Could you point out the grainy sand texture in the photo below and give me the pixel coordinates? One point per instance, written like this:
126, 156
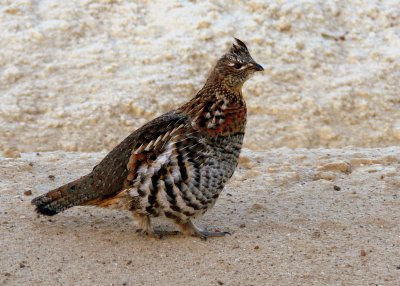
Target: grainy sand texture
297, 217
315, 199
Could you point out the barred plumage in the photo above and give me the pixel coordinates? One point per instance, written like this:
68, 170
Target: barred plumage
177, 164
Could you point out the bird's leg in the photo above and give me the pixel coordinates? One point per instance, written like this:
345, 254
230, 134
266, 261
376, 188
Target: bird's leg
146, 228
144, 223
188, 228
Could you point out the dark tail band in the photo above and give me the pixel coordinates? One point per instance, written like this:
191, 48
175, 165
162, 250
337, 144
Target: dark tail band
62, 198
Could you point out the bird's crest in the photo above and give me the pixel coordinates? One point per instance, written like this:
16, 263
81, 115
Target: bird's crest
239, 51
239, 47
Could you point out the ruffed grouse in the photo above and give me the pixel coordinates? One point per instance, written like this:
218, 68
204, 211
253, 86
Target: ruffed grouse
175, 165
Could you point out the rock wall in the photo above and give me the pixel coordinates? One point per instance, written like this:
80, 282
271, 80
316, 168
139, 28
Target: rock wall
82, 75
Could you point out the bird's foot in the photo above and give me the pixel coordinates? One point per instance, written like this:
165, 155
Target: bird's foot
189, 228
158, 233
204, 234
145, 227
148, 233
161, 233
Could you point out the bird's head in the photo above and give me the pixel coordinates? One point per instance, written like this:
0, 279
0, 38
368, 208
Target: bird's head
236, 66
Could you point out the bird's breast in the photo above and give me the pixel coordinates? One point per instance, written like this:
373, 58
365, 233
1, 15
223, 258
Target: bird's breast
220, 119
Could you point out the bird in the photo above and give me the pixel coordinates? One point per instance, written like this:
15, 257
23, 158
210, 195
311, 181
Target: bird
176, 165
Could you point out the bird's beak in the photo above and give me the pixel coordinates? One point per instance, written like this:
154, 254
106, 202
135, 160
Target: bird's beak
258, 67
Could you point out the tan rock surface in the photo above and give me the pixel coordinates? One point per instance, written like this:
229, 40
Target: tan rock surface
82, 75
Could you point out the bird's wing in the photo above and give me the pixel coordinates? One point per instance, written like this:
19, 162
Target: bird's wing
118, 168
153, 154
168, 166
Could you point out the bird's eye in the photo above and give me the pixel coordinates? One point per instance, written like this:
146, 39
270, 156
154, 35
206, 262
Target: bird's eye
238, 65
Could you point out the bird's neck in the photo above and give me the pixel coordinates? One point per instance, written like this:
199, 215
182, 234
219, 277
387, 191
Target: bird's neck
217, 110
220, 81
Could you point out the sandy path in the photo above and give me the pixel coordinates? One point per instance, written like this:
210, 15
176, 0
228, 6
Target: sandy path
290, 226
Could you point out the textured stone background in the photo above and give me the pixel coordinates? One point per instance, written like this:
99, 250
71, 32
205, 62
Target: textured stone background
82, 75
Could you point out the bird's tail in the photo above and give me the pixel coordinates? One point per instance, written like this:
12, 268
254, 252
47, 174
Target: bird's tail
69, 195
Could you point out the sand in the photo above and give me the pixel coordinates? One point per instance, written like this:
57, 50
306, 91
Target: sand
297, 217
304, 208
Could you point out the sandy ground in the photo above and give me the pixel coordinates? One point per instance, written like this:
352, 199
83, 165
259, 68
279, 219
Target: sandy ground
81, 75
297, 217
